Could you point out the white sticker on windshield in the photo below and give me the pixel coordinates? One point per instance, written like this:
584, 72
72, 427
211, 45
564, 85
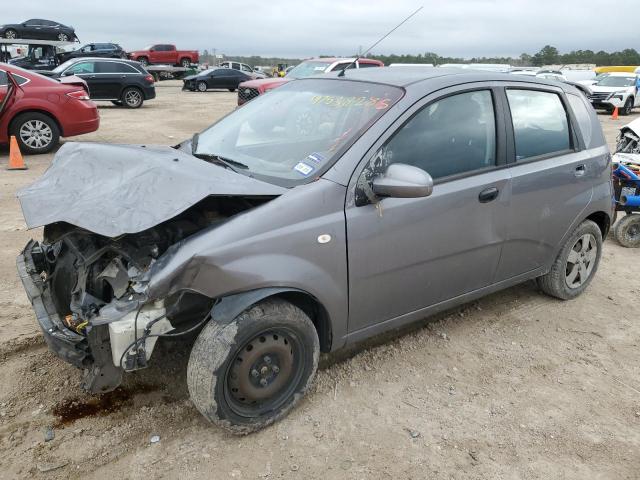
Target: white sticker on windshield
303, 168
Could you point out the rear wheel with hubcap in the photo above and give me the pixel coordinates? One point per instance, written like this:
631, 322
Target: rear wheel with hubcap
245, 375
144, 61
576, 264
202, 86
132, 97
35, 132
627, 230
185, 62
63, 37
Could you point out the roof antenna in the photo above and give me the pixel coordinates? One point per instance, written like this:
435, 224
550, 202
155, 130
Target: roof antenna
341, 74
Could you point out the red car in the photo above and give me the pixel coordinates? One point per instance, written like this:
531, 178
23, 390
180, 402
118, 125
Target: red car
315, 66
165, 53
38, 110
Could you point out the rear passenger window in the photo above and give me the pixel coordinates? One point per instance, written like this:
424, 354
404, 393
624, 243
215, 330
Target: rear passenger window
114, 67
4, 81
582, 115
539, 122
451, 136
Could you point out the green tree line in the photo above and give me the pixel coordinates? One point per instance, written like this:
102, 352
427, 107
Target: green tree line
548, 55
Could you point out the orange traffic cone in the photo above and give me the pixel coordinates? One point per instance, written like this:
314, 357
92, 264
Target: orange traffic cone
615, 114
16, 162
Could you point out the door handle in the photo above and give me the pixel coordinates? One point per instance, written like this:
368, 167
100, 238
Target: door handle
580, 170
488, 194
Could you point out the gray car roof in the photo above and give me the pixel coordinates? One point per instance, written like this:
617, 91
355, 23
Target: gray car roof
407, 76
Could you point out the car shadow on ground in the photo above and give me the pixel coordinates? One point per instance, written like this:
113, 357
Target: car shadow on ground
168, 366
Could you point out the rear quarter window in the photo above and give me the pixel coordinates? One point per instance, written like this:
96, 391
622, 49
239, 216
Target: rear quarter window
540, 123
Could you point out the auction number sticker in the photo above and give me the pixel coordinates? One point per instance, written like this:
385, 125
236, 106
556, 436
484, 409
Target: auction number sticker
343, 102
304, 168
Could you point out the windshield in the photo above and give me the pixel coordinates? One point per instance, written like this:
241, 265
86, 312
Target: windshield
615, 81
306, 69
295, 132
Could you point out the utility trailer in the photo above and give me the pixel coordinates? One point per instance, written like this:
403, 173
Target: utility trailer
47, 50
169, 72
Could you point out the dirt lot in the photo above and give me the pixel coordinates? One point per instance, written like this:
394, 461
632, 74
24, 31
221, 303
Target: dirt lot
515, 386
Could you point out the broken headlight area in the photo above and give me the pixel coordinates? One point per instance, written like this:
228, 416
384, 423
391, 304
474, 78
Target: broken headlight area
95, 310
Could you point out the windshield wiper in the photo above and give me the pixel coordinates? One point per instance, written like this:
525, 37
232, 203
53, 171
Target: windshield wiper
225, 162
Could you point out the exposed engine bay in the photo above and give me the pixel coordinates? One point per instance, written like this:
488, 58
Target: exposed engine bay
97, 286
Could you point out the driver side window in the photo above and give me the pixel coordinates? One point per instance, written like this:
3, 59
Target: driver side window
79, 68
453, 135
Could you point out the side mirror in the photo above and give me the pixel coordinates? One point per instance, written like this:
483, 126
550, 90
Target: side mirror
68, 73
403, 181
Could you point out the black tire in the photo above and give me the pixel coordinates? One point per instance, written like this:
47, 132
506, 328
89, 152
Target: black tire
556, 283
10, 33
28, 122
117, 103
132, 97
201, 86
185, 62
232, 394
232, 89
628, 106
63, 37
144, 61
627, 230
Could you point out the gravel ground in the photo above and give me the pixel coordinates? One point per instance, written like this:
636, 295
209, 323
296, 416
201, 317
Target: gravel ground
514, 386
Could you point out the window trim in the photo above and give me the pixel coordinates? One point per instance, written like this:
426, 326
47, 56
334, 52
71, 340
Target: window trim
576, 143
500, 129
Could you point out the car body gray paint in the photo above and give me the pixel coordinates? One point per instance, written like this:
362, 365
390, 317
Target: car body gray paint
275, 245
116, 189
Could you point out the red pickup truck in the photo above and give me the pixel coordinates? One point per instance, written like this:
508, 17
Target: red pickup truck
164, 53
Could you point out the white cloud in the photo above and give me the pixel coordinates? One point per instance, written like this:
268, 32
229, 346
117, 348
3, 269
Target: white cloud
306, 28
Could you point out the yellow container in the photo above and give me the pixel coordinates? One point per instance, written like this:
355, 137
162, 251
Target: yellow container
616, 68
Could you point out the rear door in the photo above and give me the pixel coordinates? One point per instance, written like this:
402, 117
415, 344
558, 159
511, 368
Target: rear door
111, 78
551, 177
34, 29
406, 254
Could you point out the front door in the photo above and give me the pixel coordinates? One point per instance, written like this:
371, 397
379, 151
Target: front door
406, 254
86, 70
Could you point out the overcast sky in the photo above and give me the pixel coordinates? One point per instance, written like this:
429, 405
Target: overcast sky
304, 28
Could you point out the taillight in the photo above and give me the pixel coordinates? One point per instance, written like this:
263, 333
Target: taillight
79, 95
149, 78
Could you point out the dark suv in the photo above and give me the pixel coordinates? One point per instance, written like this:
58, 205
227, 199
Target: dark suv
124, 82
325, 212
102, 50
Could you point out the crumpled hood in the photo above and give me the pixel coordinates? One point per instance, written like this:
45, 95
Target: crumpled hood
116, 189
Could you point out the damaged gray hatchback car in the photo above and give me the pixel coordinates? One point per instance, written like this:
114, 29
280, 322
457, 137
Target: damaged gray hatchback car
325, 212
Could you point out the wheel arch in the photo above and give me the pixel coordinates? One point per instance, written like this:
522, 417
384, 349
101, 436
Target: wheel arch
34, 110
230, 306
603, 220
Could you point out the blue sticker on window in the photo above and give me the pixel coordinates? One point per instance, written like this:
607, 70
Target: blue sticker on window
304, 168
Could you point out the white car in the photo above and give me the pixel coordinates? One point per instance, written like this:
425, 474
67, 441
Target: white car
617, 89
243, 67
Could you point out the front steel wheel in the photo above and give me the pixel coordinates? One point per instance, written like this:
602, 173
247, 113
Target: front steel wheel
245, 375
576, 264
